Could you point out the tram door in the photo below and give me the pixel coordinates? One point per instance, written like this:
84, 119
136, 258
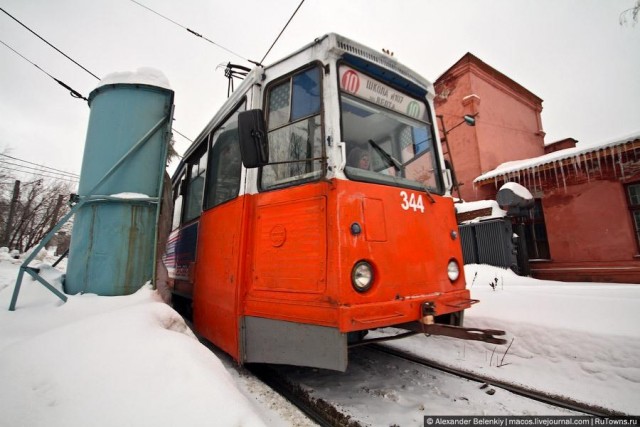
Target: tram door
217, 273
291, 208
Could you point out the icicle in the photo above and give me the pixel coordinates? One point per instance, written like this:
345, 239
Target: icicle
495, 181
532, 183
564, 182
539, 177
613, 162
555, 169
533, 180
620, 161
575, 166
586, 168
599, 165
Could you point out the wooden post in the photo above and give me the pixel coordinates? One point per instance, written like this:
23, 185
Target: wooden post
12, 209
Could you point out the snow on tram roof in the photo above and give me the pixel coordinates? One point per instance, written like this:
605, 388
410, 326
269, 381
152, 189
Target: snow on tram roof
519, 165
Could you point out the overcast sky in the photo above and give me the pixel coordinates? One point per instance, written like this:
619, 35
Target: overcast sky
573, 54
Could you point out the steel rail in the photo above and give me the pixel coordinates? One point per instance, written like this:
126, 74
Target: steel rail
549, 398
319, 410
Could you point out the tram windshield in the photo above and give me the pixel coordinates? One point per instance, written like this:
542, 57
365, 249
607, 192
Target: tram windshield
388, 137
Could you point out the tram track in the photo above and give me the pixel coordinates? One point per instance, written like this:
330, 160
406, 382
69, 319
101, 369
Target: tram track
326, 410
548, 398
320, 411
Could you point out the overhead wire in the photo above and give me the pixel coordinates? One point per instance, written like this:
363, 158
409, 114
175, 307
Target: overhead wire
44, 175
41, 38
74, 93
195, 33
181, 134
284, 28
53, 170
77, 94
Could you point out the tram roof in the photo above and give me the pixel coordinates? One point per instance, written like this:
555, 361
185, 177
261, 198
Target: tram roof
340, 46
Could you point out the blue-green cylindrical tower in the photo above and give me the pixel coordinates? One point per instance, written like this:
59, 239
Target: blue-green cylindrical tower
113, 239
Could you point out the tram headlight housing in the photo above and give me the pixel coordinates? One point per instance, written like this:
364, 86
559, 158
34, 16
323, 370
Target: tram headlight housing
362, 276
453, 270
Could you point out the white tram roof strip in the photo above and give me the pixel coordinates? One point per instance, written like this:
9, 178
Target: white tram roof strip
557, 156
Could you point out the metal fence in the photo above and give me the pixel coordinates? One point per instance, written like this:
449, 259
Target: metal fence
494, 242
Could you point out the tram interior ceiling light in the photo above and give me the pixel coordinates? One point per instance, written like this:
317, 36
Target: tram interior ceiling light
362, 276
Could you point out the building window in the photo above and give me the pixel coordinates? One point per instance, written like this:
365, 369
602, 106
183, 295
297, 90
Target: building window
633, 193
536, 233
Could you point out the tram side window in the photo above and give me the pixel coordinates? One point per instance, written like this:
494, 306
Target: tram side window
177, 206
195, 186
225, 164
295, 132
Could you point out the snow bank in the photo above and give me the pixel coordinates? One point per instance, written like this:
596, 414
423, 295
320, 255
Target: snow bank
105, 361
574, 339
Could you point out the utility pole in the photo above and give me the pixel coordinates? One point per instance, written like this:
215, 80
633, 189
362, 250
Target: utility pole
12, 209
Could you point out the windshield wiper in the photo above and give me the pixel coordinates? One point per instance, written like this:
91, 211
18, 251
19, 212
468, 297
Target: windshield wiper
396, 164
429, 196
388, 157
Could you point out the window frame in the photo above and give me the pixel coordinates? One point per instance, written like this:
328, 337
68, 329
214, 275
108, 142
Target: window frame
210, 143
430, 125
178, 200
200, 153
321, 114
530, 223
633, 208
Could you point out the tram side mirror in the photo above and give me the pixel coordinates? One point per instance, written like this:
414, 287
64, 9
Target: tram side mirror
254, 147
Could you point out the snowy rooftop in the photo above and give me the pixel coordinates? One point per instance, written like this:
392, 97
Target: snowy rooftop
558, 156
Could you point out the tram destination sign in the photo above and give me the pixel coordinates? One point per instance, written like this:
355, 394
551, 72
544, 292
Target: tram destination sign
363, 86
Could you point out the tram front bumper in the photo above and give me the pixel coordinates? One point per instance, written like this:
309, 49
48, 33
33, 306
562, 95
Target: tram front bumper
373, 315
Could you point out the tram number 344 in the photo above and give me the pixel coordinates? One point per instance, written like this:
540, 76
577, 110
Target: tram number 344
411, 201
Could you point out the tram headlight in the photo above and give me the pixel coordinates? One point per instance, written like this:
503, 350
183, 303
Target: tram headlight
362, 276
453, 270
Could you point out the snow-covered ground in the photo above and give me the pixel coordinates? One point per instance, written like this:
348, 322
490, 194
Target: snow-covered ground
113, 361
105, 361
580, 340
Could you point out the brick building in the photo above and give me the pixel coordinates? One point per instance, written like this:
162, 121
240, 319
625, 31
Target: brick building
585, 225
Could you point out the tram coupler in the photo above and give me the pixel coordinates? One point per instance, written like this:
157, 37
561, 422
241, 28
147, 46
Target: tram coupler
472, 334
427, 325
